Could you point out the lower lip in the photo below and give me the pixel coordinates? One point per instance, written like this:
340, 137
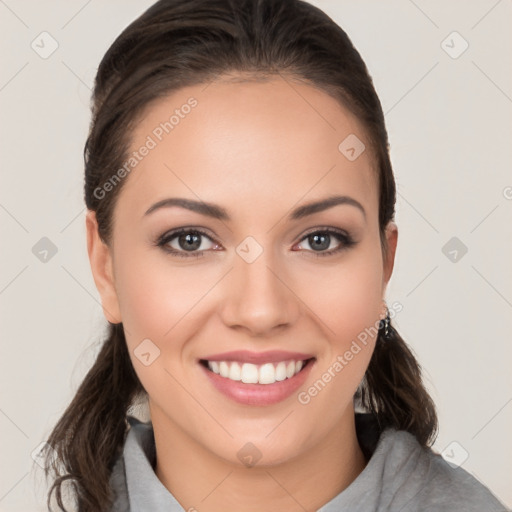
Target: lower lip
258, 394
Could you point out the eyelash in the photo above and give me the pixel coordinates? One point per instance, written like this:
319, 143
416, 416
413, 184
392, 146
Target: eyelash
346, 241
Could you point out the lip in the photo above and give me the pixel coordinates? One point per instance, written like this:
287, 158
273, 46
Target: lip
270, 356
258, 394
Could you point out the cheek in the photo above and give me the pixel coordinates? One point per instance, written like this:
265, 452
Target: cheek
348, 300
347, 297
158, 302
350, 308
156, 298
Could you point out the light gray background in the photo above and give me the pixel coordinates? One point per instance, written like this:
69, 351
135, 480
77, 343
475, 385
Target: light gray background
450, 133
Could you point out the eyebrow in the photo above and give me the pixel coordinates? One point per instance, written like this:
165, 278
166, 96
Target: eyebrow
220, 213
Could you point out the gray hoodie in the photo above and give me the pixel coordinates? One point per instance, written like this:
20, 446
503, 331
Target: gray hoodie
400, 476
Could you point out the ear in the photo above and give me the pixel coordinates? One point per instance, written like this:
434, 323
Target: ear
389, 256
100, 259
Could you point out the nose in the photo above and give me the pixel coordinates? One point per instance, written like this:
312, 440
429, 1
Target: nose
258, 297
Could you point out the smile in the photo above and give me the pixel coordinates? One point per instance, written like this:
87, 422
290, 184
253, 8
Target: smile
249, 373
257, 384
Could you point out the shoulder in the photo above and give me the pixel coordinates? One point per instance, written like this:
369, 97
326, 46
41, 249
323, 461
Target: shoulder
118, 486
423, 480
118, 478
139, 434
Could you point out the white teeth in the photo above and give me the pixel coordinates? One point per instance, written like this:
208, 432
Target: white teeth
223, 369
290, 369
281, 372
249, 373
267, 374
235, 372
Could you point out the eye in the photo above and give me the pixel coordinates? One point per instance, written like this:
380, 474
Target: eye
185, 242
321, 239
189, 242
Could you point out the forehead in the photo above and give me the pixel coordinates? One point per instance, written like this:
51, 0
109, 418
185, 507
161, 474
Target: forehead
248, 144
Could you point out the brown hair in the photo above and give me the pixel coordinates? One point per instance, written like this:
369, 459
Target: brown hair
176, 43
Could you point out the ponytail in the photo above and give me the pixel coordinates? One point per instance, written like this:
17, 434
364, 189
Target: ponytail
393, 391
90, 435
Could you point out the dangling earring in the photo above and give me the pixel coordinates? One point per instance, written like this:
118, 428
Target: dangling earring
384, 324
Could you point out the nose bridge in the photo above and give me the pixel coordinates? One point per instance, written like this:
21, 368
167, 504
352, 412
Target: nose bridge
257, 297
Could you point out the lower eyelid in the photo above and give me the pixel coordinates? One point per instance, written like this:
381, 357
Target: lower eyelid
344, 239
165, 240
344, 243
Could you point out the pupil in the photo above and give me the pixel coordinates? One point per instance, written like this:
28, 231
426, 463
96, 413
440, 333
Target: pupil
191, 241
318, 244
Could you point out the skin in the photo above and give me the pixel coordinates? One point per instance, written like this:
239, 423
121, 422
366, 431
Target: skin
258, 149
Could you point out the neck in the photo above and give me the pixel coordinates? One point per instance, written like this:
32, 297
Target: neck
200, 480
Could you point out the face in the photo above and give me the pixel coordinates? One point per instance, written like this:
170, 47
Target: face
258, 277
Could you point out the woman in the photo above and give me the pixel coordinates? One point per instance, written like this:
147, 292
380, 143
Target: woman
241, 235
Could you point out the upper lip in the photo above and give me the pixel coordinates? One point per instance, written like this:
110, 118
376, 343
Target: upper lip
271, 356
